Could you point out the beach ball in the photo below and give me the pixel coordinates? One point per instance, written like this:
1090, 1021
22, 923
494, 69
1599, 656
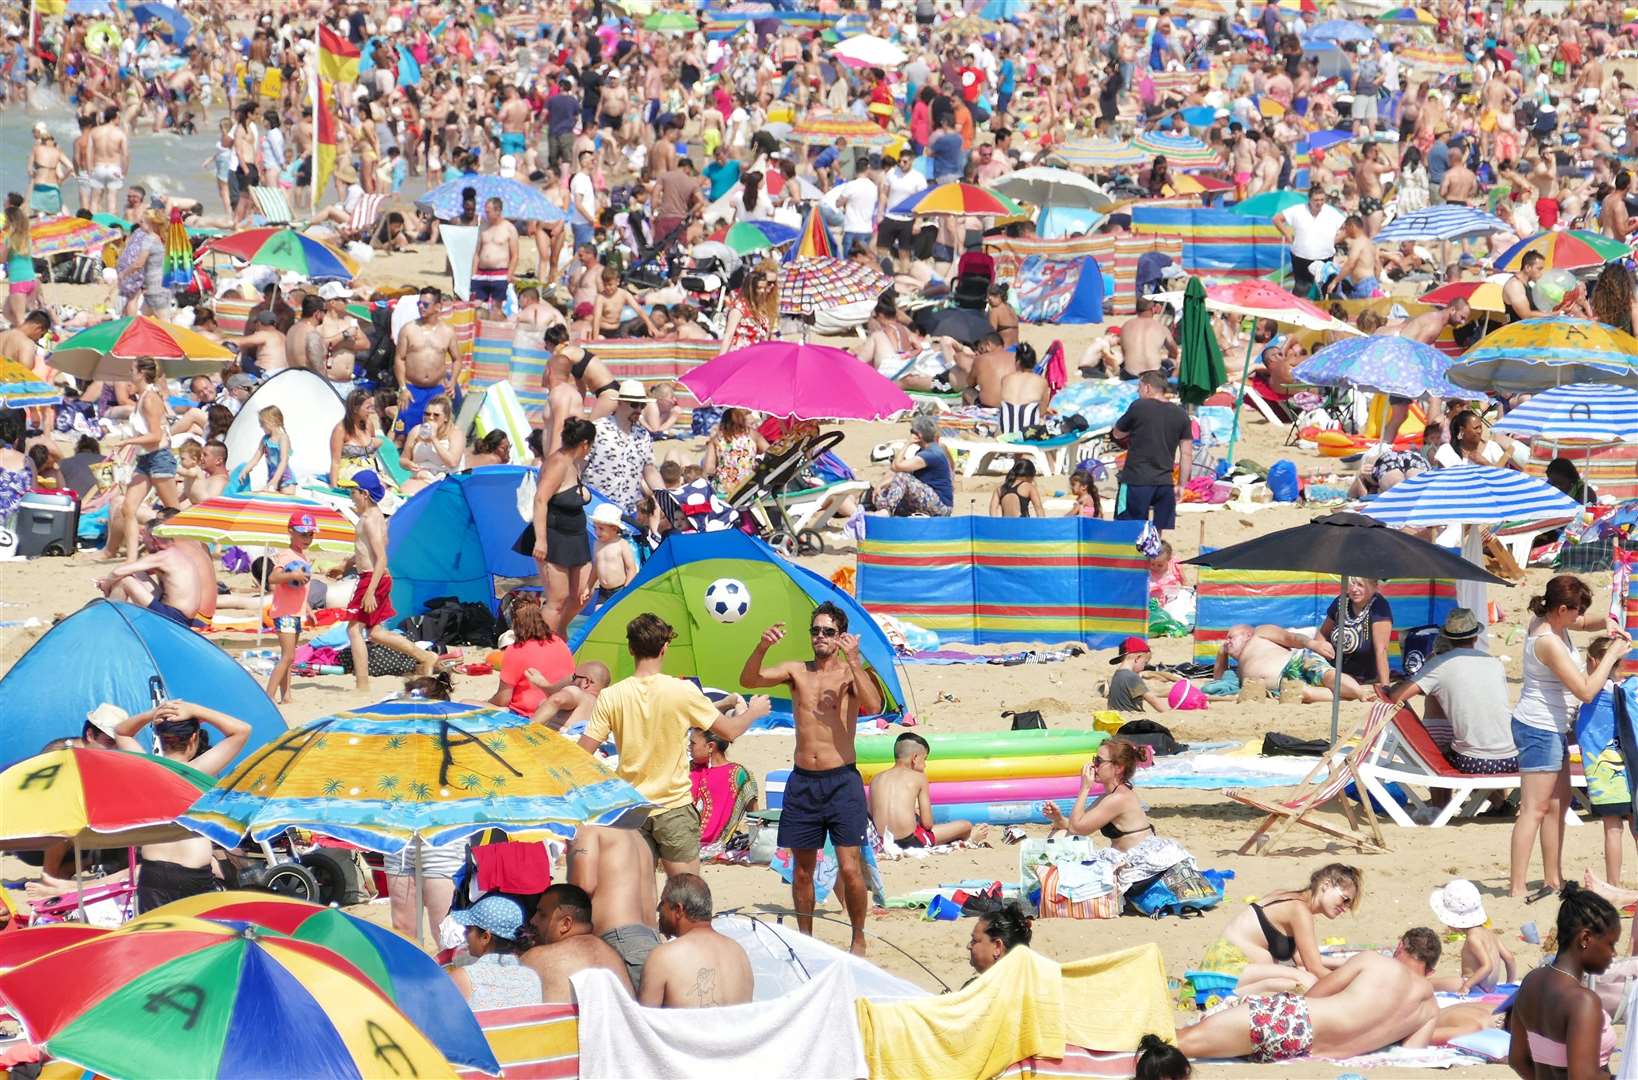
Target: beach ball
1552, 285
727, 600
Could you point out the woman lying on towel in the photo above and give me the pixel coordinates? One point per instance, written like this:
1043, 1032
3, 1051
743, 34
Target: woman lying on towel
723, 791
1273, 945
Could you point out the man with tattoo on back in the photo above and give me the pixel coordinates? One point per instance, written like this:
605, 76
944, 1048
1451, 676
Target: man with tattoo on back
698, 968
615, 867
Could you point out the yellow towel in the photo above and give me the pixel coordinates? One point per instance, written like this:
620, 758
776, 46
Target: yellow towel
1112, 1001
1013, 1011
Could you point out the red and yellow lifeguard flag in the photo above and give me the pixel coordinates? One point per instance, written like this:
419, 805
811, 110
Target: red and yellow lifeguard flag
324, 139
338, 57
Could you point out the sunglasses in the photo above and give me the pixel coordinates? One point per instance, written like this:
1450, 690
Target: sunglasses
823, 631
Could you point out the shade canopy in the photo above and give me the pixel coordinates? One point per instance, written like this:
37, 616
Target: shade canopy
1346, 543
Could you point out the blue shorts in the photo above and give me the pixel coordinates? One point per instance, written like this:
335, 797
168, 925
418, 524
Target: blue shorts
1540, 750
414, 409
287, 624
157, 464
583, 234
821, 802
1142, 498
513, 142
487, 289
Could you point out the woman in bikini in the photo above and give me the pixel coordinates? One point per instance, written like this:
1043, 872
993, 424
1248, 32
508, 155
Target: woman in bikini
1118, 814
354, 441
1273, 945
1558, 1026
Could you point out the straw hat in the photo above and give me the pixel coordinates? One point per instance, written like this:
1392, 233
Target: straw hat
1458, 905
106, 718
631, 390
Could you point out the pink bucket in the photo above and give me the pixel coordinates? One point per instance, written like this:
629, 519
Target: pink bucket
1185, 695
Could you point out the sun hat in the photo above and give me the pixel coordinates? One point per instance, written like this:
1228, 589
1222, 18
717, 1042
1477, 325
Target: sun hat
631, 390
368, 482
607, 514
1458, 905
106, 717
499, 915
1131, 645
302, 521
334, 290
1461, 623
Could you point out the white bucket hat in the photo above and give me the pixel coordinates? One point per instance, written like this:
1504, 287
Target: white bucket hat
1458, 905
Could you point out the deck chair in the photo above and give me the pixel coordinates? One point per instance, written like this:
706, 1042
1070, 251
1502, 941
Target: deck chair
1407, 757
1323, 784
272, 205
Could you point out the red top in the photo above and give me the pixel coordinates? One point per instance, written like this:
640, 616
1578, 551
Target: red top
551, 658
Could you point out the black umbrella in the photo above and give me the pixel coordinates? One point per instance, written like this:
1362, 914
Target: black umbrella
1346, 544
965, 325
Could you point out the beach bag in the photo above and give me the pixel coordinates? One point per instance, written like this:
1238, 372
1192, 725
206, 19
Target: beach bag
1153, 734
382, 661
1035, 854
1278, 744
1282, 481
1182, 890
440, 626
1054, 905
1028, 720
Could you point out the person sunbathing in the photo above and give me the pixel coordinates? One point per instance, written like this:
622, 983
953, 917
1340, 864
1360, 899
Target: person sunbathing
1273, 945
562, 923
901, 803
1367, 1004
1271, 654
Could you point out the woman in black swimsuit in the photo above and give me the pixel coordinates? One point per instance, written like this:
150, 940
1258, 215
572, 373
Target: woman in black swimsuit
1017, 496
1273, 945
557, 538
1117, 814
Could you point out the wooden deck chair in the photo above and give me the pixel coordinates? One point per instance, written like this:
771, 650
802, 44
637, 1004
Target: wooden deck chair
272, 205
1323, 784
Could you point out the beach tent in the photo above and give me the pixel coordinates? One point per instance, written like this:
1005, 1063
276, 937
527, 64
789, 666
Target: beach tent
311, 409
672, 585
127, 656
1049, 290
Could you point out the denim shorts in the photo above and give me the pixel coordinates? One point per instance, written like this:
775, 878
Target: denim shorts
158, 464
1540, 750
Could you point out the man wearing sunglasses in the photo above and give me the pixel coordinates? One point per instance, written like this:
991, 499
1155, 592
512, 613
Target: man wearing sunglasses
825, 795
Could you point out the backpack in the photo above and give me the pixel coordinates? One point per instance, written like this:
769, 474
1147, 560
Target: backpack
1153, 734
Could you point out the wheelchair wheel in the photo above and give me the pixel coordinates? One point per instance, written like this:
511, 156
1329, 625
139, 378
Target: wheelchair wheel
784, 543
288, 879
809, 542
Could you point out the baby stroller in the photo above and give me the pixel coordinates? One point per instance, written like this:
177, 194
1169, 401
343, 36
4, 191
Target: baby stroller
764, 501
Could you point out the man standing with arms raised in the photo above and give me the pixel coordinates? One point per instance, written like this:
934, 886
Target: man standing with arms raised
825, 795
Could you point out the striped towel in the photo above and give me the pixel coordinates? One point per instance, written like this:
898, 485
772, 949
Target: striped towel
501, 411
232, 313
653, 361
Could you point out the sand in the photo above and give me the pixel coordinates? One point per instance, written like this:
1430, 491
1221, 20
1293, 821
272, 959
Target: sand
971, 699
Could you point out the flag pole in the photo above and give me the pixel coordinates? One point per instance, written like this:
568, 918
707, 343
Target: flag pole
318, 103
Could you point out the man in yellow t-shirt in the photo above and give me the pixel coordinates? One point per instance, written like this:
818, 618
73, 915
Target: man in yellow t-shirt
650, 714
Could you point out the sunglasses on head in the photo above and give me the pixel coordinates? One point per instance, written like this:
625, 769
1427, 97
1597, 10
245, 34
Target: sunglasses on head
823, 631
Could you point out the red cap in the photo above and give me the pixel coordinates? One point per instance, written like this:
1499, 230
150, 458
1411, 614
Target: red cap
303, 521
1131, 645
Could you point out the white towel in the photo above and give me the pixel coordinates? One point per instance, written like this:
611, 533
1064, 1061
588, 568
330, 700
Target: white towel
621, 1039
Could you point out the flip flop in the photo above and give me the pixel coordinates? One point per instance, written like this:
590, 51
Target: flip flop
1540, 894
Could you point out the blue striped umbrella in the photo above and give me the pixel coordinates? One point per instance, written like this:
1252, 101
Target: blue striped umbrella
1385, 363
1096, 153
1184, 153
1339, 30
1470, 495
519, 201
1441, 223
1577, 411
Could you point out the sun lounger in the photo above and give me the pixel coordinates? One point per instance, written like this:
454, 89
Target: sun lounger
1051, 456
817, 508
1408, 757
272, 205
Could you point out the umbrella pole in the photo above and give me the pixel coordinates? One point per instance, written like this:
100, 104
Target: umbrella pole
79, 884
420, 899
1250, 326
1336, 653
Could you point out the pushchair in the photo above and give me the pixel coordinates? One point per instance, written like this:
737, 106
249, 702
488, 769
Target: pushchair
765, 499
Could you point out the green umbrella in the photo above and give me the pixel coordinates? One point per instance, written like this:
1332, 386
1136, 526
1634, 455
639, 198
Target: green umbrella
671, 22
1201, 371
1269, 203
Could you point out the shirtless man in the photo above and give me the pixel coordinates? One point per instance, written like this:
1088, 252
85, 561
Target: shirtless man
575, 701
515, 120
1266, 176
612, 109
616, 313
991, 364
1358, 272
262, 351
1025, 396
1613, 220
213, 475
585, 274
1367, 1004
343, 339
562, 922
1518, 291
1428, 326
825, 795
698, 968
108, 158
1368, 175
1272, 653
424, 362
1460, 185
82, 162
496, 257
1145, 345
304, 344
176, 578
534, 313
615, 869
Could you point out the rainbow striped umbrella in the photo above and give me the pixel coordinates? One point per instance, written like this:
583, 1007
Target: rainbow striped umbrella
1573, 249
257, 519
958, 198
1098, 153
178, 255
823, 128
95, 798
750, 237
54, 236
285, 249
814, 242
189, 997
105, 351
1435, 58
20, 388
1534, 354
806, 285
1182, 151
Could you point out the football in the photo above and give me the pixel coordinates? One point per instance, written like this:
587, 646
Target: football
727, 600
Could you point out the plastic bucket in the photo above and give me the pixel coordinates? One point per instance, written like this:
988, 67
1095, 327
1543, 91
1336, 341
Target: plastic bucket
1185, 695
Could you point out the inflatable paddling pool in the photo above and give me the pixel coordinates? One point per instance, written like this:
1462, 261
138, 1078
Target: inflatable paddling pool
879, 748
995, 768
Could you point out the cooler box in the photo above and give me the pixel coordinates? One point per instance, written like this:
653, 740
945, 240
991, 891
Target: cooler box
47, 524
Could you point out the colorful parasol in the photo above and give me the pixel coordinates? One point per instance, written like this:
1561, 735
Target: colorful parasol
814, 242
1269, 203
1261, 300
957, 198
23, 944
1408, 16
1386, 363
54, 236
95, 798
750, 237
105, 351
201, 999
1534, 354
809, 382
20, 388
519, 201
806, 285
1434, 58
824, 128
1470, 495
178, 255
671, 22
1483, 294
1448, 222
410, 978
258, 519
1096, 153
285, 249
1574, 249
1183, 153
382, 775
1184, 184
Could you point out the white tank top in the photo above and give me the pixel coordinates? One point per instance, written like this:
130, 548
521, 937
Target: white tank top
1545, 702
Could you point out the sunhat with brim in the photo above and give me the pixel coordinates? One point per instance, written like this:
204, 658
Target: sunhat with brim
631, 390
1458, 905
1461, 624
499, 915
606, 514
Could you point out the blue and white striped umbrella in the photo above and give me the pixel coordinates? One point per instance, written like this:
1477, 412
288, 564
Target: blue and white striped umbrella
1470, 495
1341, 30
1441, 223
1386, 363
1577, 411
519, 201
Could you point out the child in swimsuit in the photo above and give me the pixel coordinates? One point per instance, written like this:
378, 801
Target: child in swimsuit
275, 446
1484, 957
613, 562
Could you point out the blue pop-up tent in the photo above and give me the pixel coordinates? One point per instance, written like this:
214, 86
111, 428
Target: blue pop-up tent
127, 656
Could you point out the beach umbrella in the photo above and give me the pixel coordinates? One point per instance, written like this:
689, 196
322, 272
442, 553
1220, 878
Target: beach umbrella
1483, 294
1534, 354
808, 382
868, 50
1574, 249
1340, 30
1200, 368
1269, 203
57, 235
957, 198
113, 221
814, 241
101, 36
1054, 189
1577, 411
1470, 495
284, 249
1183, 152
201, 999
960, 323
1351, 545
257, 519
671, 22
1408, 16
808, 284
1441, 223
95, 798
1185, 184
105, 351
1098, 153
1385, 363
178, 254
824, 128
1434, 58
173, 23
519, 201
22, 944
20, 388
1322, 140
409, 977
750, 237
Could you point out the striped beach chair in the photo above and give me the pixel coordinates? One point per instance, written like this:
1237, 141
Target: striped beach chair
272, 205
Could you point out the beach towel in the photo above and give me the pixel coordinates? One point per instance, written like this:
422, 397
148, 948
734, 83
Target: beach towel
531, 1042
811, 1032
460, 243
1134, 978
513, 866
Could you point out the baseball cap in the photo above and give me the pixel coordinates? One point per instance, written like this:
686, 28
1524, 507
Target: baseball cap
1131, 645
304, 522
500, 915
368, 482
241, 381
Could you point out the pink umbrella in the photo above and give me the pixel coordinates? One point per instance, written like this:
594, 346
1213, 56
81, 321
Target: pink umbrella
809, 382
1263, 300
